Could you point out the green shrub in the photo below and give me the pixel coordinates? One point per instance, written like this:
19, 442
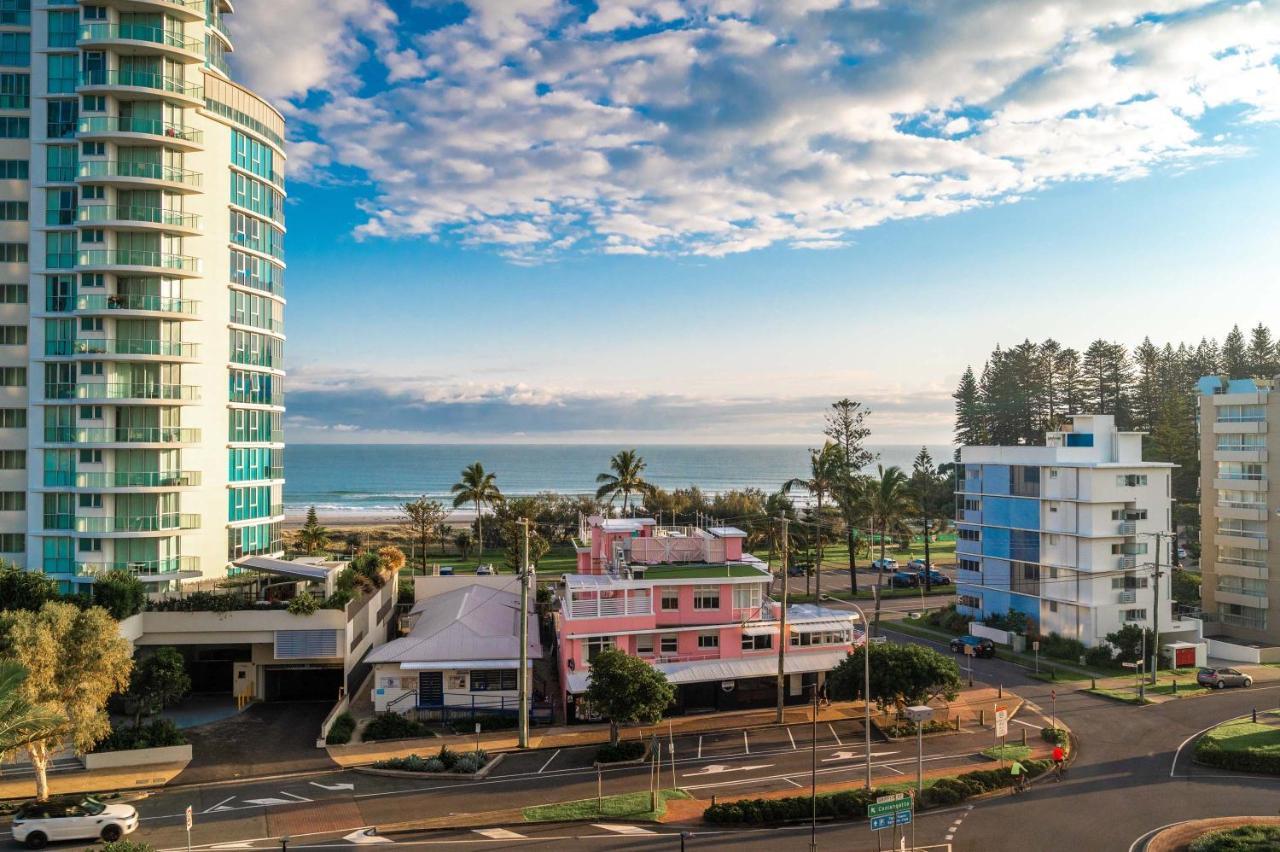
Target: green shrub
447, 756
1062, 647
341, 730
944, 792
468, 762
158, 733
1246, 838
126, 846
1057, 736
303, 604
626, 750
1098, 656
1212, 753
393, 726
907, 728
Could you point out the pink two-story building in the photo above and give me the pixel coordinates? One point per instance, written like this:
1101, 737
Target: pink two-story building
693, 604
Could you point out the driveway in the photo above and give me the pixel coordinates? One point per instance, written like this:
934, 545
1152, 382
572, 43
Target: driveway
266, 739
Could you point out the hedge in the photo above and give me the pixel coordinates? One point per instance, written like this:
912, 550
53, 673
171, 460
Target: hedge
628, 750
1212, 754
852, 804
908, 728
393, 726
158, 733
447, 760
1057, 736
341, 730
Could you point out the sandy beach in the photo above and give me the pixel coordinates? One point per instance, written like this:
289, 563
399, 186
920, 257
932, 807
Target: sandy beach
360, 518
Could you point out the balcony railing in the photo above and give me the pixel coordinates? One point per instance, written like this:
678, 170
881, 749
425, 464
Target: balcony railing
148, 568
121, 390
122, 479
152, 215
138, 523
95, 124
1252, 622
144, 171
142, 80
1128, 528
115, 346
126, 302
614, 606
139, 257
259, 475
121, 435
137, 32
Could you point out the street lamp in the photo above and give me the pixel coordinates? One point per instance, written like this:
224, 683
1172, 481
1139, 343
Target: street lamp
866, 684
920, 714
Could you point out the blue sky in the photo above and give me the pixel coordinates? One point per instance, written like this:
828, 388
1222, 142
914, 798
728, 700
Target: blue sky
669, 220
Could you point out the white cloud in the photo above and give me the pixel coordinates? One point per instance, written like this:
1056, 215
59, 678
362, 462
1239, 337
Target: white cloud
719, 126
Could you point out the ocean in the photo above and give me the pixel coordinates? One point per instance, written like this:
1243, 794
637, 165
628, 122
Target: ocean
373, 479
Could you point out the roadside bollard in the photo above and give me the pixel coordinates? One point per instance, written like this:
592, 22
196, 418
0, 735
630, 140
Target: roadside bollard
982, 718
1255, 715
1000, 690
1175, 687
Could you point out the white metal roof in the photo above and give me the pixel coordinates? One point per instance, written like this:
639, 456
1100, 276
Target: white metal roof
726, 532
733, 669
820, 626
471, 623
770, 629
287, 568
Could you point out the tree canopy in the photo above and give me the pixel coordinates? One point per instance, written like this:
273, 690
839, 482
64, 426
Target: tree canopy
900, 674
627, 690
21, 721
25, 590
313, 538
479, 488
627, 478
158, 680
120, 593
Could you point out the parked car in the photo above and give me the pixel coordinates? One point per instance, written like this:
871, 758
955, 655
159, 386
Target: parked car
1222, 678
904, 580
1182, 553
884, 565
937, 578
446, 570
799, 570
981, 647
485, 571
72, 818
918, 565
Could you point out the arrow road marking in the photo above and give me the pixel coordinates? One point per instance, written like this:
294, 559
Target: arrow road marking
720, 768
268, 801
221, 806
333, 786
366, 835
848, 755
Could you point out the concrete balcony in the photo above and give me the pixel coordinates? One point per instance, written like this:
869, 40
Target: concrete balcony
123, 480
184, 10
141, 40
1240, 484
132, 437
1244, 540
1240, 513
137, 391
131, 130
132, 218
140, 175
128, 305
1258, 455
137, 262
1239, 427
175, 90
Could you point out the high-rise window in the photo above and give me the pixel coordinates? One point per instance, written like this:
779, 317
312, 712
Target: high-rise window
15, 48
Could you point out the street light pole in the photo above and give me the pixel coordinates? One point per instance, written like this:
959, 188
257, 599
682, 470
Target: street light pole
813, 773
866, 685
524, 637
782, 624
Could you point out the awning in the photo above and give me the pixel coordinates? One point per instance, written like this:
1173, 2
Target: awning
760, 630
463, 664
819, 626
733, 669
283, 568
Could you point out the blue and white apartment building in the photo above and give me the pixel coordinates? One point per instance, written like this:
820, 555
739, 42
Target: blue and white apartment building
1064, 532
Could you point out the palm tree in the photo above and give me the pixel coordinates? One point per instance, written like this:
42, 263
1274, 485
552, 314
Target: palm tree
626, 479
21, 722
887, 502
826, 471
313, 538
479, 489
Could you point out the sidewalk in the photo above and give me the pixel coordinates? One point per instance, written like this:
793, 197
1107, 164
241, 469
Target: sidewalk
1125, 687
966, 706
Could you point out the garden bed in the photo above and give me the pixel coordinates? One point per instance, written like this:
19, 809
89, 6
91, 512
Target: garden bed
1243, 745
629, 806
446, 763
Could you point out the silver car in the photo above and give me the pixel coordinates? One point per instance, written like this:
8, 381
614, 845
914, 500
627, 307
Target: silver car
1222, 678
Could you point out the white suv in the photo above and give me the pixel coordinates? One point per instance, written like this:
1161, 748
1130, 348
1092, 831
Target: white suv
82, 818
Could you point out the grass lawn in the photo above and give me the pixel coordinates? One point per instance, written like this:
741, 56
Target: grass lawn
1164, 685
1008, 752
560, 560
624, 806
836, 555
1246, 838
1244, 735
864, 594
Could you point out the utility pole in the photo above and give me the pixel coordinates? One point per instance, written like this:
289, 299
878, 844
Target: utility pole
782, 625
524, 634
1155, 615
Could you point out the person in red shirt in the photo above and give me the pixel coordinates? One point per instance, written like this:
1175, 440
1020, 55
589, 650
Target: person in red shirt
1059, 759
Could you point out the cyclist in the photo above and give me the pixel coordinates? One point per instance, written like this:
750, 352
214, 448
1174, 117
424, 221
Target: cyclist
1019, 773
1059, 761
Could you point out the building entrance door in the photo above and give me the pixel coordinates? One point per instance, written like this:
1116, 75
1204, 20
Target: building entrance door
430, 689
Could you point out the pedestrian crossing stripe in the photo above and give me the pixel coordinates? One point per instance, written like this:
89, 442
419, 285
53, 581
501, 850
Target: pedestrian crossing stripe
499, 834
623, 829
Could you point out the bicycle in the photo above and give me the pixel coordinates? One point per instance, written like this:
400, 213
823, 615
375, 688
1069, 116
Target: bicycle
1059, 772
1020, 784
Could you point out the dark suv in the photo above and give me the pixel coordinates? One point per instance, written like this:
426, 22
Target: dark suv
981, 647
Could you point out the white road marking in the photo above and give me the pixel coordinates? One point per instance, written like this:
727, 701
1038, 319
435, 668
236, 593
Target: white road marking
333, 786
793, 741
363, 836
746, 744
834, 734
1028, 724
720, 769
548, 763
623, 829
848, 755
499, 834
221, 806
792, 783
891, 769
699, 746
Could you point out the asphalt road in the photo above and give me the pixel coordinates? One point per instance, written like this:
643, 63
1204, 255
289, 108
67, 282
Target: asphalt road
1124, 783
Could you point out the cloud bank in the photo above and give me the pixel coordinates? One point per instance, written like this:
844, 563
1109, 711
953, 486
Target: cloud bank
707, 127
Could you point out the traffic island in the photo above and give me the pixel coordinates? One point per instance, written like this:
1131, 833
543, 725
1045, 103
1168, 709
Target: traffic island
1247, 744
1215, 835
633, 807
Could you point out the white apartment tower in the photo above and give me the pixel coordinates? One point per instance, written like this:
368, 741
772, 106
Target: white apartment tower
1065, 533
141, 293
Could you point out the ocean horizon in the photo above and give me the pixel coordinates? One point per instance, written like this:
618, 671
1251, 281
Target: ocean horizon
375, 479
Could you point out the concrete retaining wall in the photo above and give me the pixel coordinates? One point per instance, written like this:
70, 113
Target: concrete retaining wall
137, 757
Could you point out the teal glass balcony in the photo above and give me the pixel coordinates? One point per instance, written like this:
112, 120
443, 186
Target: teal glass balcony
98, 213
122, 390
139, 257
106, 169
126, 346
138, 523
99, 302
122, 479
148, 568
121, 435
137, 32
105, 125
258, 475
141, 80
